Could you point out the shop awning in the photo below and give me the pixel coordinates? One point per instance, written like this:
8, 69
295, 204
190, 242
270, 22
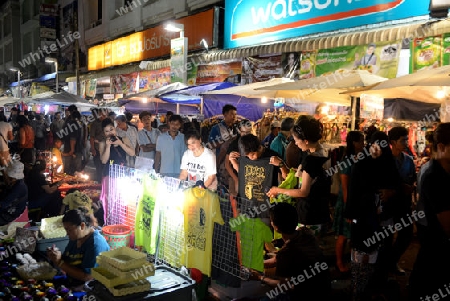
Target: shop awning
403, 29
416, 28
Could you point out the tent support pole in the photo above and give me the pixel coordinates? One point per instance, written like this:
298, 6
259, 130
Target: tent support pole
178, 108
201, 105
353, 125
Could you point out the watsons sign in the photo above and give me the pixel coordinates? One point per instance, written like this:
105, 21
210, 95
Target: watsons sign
250, 22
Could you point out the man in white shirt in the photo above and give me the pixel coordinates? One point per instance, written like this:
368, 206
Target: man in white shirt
5, 135
124, 130
147, 136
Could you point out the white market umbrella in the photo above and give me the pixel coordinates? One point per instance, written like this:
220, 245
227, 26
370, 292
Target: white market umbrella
431, 85
63, 98
6, 100
345, 79
266, 89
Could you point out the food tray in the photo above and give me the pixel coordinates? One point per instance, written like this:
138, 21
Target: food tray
147, 269
53, 227
107, 278
130, 288
124, 258
46, 271
166, 284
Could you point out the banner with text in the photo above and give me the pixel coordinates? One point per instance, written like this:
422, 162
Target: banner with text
380, 58
426, 52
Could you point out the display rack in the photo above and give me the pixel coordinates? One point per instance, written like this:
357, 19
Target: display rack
123, 196
125, 190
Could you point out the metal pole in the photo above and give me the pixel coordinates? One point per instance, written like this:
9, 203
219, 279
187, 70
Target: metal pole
353, 113
178, 108
77, 53
201, 105
57, 77
18, 84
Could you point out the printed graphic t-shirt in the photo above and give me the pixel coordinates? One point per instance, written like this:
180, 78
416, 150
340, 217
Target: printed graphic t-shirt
201, 167
201, 210
147, 216
254, 233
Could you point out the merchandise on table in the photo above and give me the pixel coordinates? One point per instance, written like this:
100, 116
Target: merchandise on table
119, 272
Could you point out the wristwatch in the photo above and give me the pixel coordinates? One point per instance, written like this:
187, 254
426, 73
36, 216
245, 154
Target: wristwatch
281, 164
262, 279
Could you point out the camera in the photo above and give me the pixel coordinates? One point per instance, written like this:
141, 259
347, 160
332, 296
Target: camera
113, 138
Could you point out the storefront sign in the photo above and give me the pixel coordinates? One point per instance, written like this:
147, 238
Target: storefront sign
153, 42
219, 72
380, 58
250, 22
49, 9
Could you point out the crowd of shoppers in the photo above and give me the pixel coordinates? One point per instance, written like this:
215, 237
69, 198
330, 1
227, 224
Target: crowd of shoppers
377, 185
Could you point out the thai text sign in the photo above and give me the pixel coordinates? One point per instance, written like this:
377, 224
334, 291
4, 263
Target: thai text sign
151, 43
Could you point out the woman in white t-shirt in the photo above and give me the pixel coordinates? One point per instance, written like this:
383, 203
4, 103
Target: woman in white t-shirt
198, 162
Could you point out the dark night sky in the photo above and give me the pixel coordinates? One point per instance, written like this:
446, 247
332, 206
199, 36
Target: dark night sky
3, 2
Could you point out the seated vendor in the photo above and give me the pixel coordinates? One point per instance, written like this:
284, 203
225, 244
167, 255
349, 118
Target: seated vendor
43, 195
301, 272
85, 244
13, 199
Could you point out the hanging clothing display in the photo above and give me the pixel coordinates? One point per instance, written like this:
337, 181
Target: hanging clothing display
147, 216
201, 210
254, 233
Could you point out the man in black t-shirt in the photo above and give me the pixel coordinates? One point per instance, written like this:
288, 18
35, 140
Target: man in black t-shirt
255, 174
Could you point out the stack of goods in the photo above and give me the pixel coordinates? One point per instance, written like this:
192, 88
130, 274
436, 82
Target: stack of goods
52, 227
30, 269
22, 278
123, 271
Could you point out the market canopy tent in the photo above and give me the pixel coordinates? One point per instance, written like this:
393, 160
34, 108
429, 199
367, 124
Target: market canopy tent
155, 92
430, 85
159, 106
405, 109
291, 97
193, 94
63, 98
6, 100
251, 108
345, 79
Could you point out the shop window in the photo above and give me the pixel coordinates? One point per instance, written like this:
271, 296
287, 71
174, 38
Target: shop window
36, 8
8, 52
95, 13
7, 25
27, 11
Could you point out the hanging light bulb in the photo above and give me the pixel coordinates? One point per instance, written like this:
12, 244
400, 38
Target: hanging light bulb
440, 94
263, 99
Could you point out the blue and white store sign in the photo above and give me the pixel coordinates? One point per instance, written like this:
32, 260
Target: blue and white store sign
250, 22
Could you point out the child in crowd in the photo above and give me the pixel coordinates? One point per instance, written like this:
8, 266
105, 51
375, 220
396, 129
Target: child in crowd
56, 151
